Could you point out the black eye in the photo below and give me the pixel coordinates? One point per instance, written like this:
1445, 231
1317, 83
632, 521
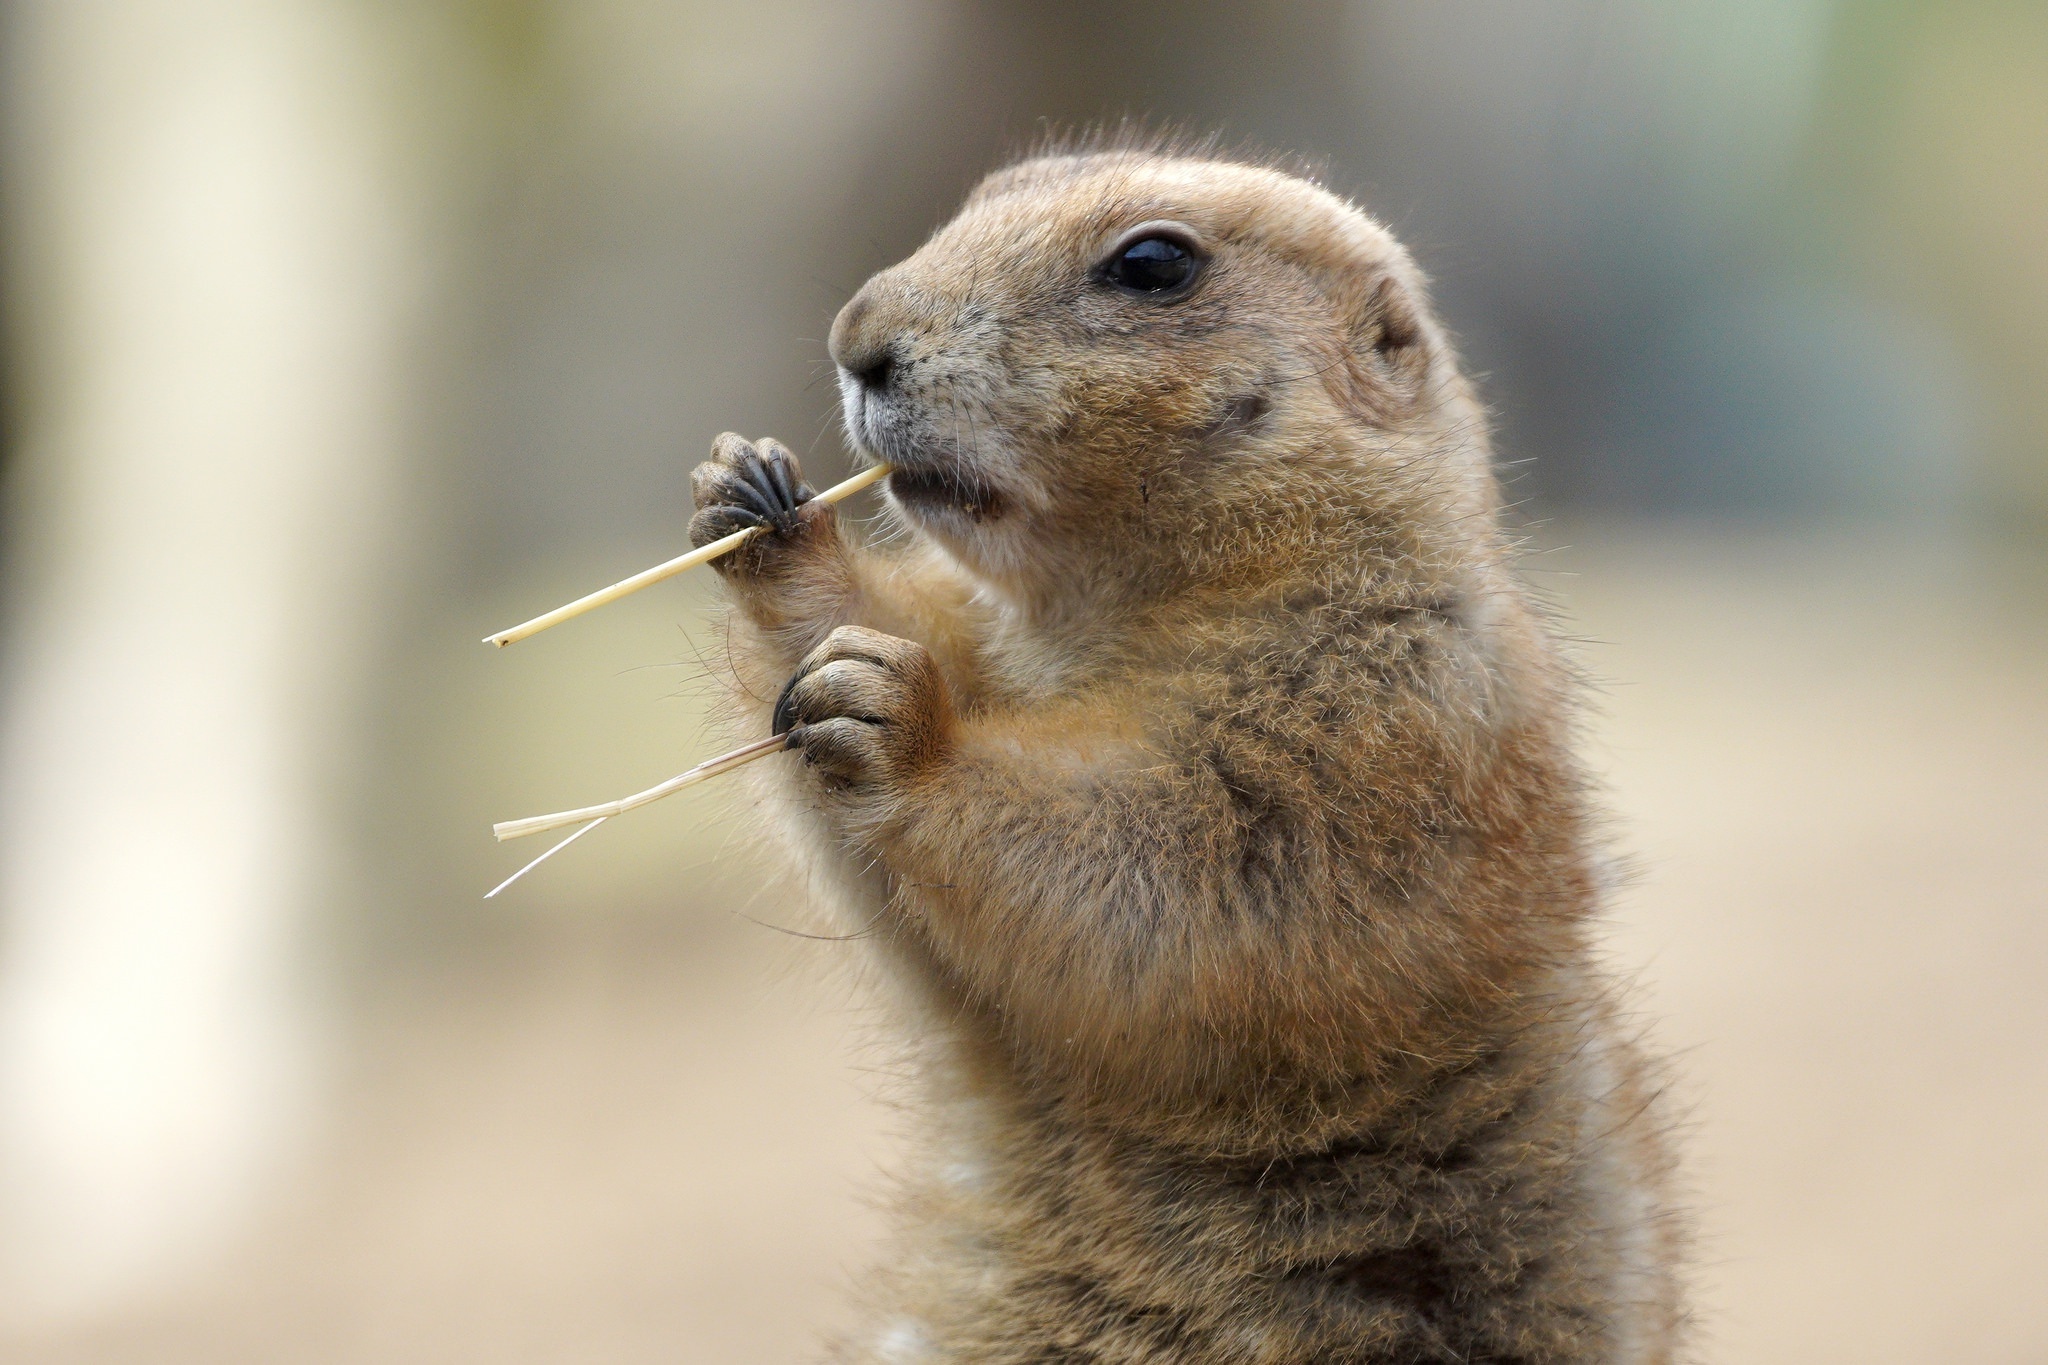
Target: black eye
1152, 265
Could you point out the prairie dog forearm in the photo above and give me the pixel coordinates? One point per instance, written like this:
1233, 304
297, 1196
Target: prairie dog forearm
781, 620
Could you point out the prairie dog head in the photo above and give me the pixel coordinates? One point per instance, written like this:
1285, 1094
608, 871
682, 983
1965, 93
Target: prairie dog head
1116, 371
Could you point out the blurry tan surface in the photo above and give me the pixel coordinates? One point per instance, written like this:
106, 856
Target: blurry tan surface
636, 1143
648, 1137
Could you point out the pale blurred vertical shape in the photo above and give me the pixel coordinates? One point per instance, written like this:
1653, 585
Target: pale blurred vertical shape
208, 316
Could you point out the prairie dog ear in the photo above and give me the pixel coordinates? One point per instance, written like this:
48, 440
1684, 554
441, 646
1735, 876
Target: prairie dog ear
1387, 349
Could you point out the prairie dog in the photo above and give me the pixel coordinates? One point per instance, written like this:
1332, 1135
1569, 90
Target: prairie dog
1204, 773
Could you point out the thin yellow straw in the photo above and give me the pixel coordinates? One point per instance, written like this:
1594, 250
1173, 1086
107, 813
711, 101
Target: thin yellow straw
710, 767
703, 554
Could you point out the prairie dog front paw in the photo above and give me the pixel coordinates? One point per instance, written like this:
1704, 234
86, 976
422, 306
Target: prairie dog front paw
794, 578
867, 711
757, 484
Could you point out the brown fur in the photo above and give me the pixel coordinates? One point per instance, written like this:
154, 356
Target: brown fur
1204, 770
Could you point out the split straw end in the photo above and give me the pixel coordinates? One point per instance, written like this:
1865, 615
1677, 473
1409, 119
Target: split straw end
590, 817
710, 767
493, 892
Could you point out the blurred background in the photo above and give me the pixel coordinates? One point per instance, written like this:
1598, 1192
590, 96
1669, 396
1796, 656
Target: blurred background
340, 333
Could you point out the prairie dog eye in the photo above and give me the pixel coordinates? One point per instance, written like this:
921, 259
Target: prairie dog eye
1152, 259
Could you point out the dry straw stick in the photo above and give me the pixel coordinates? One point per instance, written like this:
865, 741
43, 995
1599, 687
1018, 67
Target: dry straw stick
597, 815
703, 554
710, 767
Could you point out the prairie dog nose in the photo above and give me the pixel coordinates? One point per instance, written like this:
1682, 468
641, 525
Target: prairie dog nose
860, 344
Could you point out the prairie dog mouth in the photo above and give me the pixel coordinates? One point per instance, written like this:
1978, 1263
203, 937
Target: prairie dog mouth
930, 478
922, 489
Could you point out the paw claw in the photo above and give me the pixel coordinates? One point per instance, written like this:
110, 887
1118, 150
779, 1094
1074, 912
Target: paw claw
785, 709
749, 483
780, 467
865, 708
